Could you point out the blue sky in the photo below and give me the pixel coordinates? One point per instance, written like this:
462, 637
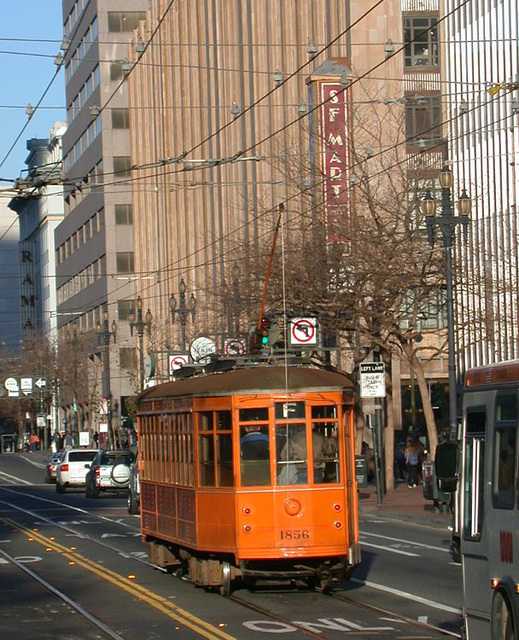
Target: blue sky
30, 36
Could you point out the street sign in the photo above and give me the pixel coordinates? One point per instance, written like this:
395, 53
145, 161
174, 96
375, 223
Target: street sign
372, 380
11, 384
234, 347
26, 384
41, 420
41, 383
201, 349
303, 331
176, 361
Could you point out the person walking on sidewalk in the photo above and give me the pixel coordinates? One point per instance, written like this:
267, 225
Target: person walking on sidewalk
412, 461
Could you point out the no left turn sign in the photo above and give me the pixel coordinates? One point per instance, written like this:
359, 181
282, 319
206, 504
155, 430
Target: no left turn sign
176, 362
303, 331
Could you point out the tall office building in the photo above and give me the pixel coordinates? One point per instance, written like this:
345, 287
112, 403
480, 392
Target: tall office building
94, 243
40, 210
482, 80
10, 313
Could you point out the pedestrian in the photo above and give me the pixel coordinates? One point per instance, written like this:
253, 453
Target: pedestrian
412, 460
32, 442
68, 441
95, 438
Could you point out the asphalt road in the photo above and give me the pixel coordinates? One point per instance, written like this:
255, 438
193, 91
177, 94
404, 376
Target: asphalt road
91, 552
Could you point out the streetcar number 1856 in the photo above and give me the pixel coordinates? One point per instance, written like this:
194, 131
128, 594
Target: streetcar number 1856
294, 534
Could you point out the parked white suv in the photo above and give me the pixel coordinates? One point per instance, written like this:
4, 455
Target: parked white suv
73, 468
109, 471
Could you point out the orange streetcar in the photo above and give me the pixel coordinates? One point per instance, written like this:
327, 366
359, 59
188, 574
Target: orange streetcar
250, 474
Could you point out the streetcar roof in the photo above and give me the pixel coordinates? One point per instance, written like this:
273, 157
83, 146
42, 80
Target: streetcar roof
252, 380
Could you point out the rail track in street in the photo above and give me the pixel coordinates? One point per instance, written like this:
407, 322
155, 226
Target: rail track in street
342, 614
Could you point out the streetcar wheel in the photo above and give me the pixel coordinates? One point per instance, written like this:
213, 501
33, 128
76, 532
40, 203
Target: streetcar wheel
60, 488
225, 589
502, 618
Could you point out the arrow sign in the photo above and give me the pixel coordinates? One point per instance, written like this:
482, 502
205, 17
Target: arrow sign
41, 383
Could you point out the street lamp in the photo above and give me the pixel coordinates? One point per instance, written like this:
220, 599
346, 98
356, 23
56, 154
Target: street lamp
447, 223
104, 333
140, 325
182, 311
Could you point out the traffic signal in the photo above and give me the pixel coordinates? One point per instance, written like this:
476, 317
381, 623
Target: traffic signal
264, 332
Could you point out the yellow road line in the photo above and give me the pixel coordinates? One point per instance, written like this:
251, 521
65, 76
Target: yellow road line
158, 602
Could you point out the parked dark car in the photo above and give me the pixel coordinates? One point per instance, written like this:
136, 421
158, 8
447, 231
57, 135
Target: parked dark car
109, 471
52, 465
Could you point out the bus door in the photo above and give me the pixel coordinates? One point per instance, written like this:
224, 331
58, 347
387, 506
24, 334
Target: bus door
474, 548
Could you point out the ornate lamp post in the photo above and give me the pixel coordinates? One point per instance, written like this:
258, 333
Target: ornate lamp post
140, 325
104, 333
447, 222
183, 310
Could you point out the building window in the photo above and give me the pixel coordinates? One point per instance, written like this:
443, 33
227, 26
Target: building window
122, 166
423, 118
421, 42
124, 260
121, 118
128, 358
116, 71
124, 21
124, 307
123, 214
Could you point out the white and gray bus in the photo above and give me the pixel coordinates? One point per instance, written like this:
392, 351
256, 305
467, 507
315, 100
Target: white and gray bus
486, 477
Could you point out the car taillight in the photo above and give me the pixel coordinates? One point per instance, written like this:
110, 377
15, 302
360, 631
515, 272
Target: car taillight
64, 467
52, 467
97, 472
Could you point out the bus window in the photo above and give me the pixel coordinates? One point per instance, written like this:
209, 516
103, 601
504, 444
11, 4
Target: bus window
503, 474
503, 484
473, 482
254, 455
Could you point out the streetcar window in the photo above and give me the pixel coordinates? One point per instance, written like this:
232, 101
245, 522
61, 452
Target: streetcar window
254, 415
206, 466
292, 455
327, 411
288, 410
325, 452
224, 469
205, 421
224, 421
254, 456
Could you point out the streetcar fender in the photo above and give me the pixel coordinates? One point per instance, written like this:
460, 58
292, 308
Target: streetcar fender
354, 555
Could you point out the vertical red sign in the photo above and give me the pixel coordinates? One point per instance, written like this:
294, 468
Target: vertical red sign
335, 157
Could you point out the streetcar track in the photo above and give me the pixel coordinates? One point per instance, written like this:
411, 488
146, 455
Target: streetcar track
254, 607
397, 616
100, 626
78, 534
173, 611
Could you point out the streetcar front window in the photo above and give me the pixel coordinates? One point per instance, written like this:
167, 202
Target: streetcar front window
255, 455
292, 454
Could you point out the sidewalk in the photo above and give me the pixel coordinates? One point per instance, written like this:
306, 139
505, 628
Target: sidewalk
402, 504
